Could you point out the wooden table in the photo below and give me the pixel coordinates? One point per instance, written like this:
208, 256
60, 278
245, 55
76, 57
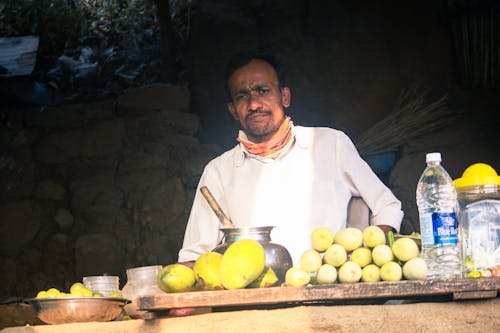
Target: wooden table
311, 309
430, 317
454, 289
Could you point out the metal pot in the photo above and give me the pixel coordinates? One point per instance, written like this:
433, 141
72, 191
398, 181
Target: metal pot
277, 256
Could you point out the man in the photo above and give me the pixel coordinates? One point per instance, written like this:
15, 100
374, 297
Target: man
290, 177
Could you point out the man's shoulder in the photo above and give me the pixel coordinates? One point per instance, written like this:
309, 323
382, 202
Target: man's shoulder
306, 132
229, 156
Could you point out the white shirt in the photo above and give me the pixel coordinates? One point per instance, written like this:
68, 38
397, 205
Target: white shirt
307, 187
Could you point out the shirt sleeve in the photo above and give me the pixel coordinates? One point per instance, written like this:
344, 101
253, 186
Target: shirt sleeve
202, 230
363, 182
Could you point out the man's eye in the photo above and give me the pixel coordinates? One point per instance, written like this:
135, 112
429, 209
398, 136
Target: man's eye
263, 91
240, 97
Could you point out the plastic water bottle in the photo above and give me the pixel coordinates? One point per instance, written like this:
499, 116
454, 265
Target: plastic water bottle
437, 207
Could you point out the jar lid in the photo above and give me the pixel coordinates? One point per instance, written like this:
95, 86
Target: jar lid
478, 174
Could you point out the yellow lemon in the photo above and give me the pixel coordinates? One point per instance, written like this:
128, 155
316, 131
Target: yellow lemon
349, 272
75, 287
391, 271
79, 292
53, 292
335, 255
405, 249
349, 238
370, 273
116, 294
176, 278
310, 261
327, 274
297, 277
266, 279
373, 236
362, 256
321, 239
87, 292
382, 254
415, 269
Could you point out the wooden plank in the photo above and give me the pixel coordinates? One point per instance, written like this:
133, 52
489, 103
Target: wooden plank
275, 295
474, 294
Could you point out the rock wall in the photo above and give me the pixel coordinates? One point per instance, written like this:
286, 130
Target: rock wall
96, 188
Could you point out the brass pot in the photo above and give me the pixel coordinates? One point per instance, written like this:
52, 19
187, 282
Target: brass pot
277, 256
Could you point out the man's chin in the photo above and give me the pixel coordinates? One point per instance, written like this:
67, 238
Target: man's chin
260, 130
258, 136
257, 129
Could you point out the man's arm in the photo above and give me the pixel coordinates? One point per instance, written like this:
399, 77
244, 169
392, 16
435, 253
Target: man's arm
189, 264
202, 230
386, 229
384, 206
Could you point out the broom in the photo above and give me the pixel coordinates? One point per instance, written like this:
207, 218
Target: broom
413, 116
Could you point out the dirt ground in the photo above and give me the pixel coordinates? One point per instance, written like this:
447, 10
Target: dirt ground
457, 316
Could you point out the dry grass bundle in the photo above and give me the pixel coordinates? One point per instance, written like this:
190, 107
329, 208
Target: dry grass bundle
414, 115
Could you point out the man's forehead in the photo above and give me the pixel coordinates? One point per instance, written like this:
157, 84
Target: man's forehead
255, 73
256, 69
254, 86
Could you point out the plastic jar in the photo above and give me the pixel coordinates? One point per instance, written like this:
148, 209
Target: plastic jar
141, 281
478, 192
104, 284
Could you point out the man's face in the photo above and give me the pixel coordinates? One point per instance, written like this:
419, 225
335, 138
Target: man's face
257, 101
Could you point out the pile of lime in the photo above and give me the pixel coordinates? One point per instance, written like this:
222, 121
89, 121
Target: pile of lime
352, 255
77, 289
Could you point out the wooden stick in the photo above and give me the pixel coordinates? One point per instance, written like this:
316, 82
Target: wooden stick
226, 223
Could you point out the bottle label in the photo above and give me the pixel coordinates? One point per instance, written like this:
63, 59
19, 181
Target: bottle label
444, 227
426, 229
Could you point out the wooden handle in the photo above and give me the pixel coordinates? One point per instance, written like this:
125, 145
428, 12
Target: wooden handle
226, 223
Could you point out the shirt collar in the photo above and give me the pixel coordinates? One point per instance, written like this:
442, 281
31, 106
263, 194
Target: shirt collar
302, 140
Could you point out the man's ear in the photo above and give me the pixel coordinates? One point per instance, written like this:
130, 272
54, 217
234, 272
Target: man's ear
285, 96
232, 110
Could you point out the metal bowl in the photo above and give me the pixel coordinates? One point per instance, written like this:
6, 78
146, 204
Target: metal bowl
77, 309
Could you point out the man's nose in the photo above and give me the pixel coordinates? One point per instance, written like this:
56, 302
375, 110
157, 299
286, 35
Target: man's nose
254, 101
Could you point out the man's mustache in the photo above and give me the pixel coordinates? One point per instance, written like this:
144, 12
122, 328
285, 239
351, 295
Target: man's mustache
253, 112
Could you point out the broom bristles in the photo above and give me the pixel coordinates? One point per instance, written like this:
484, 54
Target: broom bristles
413, 116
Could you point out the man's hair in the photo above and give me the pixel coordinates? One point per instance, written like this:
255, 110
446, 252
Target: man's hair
243, 58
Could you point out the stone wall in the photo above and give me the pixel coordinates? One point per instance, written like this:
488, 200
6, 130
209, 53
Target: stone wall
96, 188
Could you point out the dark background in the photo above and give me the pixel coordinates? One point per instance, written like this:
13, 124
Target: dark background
125, 179
346, 62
